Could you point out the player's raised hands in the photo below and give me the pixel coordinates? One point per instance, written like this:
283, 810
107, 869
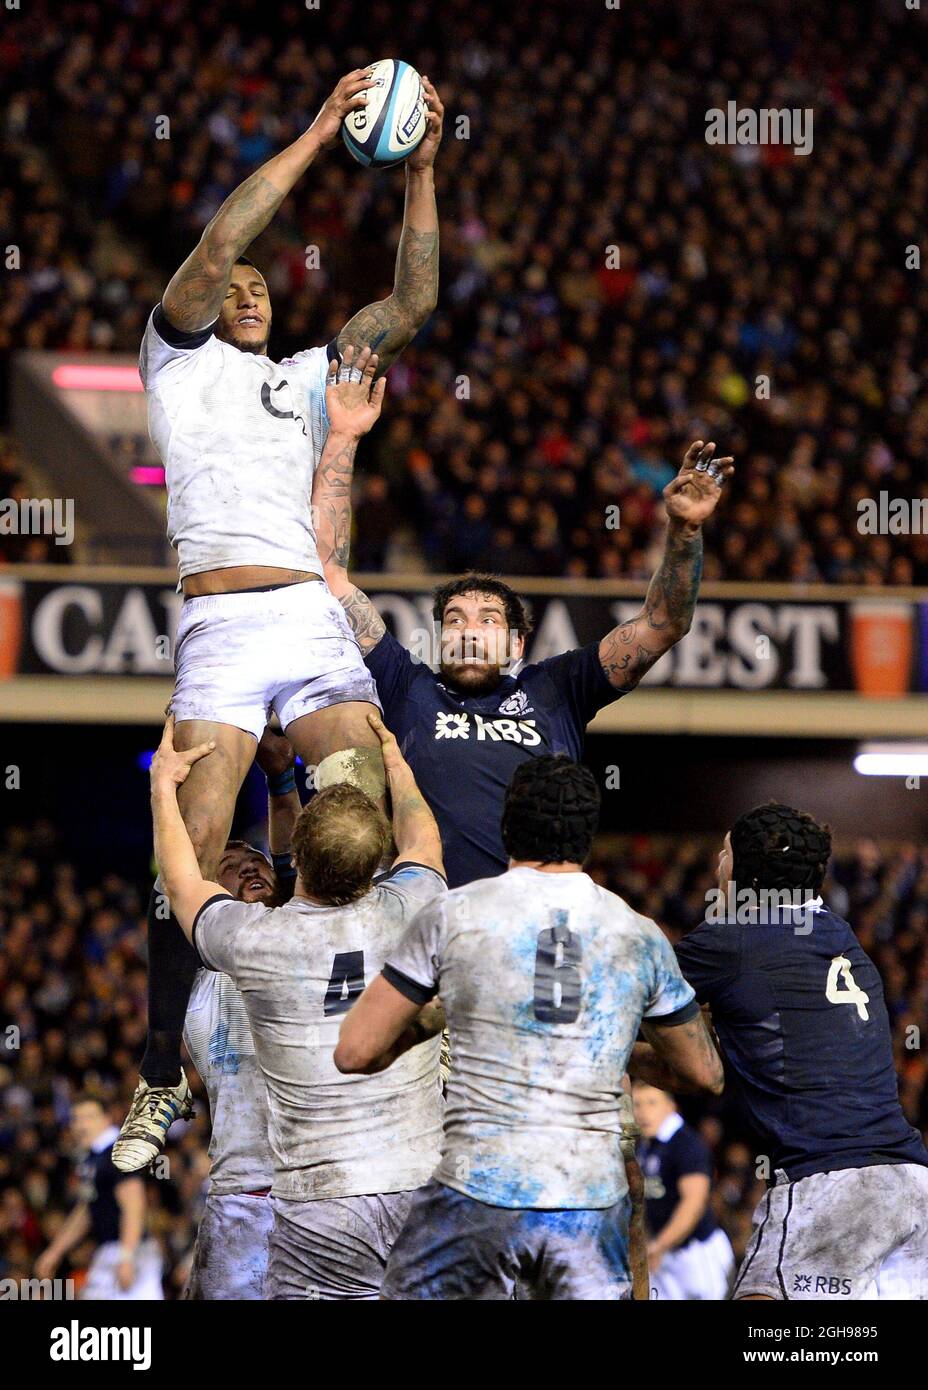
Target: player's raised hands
693, 495
349, 95
425, 152
352, 397
170, 768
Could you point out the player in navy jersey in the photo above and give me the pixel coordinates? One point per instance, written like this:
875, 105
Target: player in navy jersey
689, 1254
467, 727
799, 1012
111, 1212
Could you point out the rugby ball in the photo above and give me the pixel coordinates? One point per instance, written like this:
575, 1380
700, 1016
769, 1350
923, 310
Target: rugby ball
393, 122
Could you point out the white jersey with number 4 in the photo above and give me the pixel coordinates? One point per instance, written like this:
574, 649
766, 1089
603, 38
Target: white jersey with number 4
299, 969
240, 437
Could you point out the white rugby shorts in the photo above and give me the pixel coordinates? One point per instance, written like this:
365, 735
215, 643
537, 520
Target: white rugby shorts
290, 649
853, 1233
230, 1256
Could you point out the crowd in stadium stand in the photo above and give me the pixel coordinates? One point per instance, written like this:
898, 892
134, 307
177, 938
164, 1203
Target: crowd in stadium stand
612, 285
72, 982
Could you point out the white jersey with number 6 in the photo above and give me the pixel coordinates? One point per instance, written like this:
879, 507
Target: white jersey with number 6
299, 969
544, 978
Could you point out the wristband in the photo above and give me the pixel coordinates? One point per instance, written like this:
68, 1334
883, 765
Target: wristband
283, 864
281, 783
126, 1254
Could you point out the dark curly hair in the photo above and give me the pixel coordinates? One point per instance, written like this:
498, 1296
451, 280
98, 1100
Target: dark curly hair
551, 811
776, 847
517, 614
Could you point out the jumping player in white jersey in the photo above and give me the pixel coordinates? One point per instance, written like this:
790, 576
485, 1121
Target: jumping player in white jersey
545, 979
348, 1152
240, 436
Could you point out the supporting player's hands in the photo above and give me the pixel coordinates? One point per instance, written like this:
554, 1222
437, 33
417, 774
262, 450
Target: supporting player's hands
353, 398
275, 753
349, 95
693, 495
423, 156
170, 768
393, 760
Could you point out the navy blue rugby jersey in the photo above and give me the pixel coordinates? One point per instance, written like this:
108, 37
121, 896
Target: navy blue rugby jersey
98, 1179
664, 1161
463, 750
799, 1011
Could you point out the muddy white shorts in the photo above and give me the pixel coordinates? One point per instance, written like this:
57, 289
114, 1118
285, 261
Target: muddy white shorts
335, 1248
288, 649
856, 1233
456, 1248
230, 1256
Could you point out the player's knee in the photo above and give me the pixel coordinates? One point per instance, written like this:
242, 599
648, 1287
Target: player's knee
361, 767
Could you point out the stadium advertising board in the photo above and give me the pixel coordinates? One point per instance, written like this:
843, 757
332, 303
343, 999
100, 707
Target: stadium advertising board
741, 639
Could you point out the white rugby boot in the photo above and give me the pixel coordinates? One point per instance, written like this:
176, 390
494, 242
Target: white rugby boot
151, 1114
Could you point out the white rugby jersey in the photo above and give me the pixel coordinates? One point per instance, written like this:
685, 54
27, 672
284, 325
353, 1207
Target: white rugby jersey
299, 968
240, 437
218, 1038
544, 980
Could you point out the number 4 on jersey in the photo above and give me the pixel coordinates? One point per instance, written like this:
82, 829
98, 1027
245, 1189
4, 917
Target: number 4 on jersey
345, 983
838, 971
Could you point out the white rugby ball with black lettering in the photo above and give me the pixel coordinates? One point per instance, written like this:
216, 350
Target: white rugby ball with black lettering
393, 122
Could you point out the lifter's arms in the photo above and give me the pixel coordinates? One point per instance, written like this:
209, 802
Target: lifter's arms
415, 831
631, 649
687, 1052
381, 1026
186, 888
353, 408
389, 324
194, 296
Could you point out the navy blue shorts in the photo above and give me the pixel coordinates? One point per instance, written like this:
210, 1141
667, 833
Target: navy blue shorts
454, 1247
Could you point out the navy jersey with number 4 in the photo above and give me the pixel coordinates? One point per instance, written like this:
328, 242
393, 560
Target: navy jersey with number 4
799, 1011
463, 750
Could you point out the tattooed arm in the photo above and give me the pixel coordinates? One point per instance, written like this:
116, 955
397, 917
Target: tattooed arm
389, 324
687, 1053
194, 296
632, 648
352, 407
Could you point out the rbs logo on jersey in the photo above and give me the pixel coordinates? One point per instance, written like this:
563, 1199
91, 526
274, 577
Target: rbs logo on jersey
493, 730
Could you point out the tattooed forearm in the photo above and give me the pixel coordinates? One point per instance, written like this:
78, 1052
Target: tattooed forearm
632, 648
688, 1050
364, 620
391, 323
331, 512
194, 296
672, 593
